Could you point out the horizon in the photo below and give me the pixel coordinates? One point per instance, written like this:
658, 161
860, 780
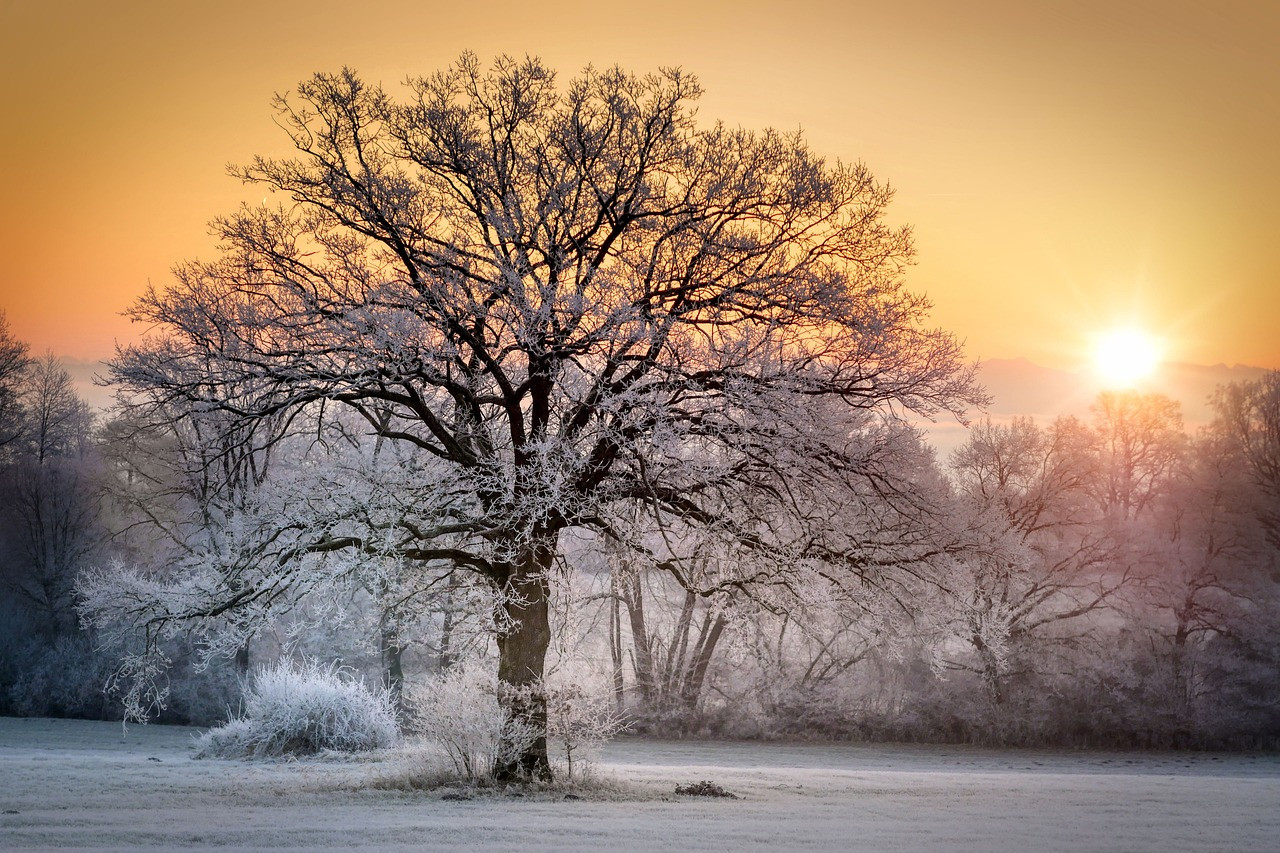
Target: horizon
1019, 387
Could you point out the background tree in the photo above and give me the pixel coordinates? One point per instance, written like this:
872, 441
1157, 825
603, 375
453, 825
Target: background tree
1039, 556
50, 527
50, 531
1201, 582
573, 301
1248, 415
1139, 440
58, 422
14, 361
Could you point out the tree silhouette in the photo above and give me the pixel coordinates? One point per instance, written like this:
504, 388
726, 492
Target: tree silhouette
572, 300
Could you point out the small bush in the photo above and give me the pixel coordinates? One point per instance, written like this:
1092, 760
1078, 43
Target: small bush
580, 721
705, 788
62, 677
301, 710
459, 711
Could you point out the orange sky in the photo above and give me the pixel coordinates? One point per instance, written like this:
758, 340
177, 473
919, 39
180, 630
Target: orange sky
1065, 168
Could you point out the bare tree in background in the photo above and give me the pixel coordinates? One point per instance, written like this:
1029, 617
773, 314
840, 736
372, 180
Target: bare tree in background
14, 362
50, 527
1249, 415
182, 481
1139, 440
1039, 554
58, 421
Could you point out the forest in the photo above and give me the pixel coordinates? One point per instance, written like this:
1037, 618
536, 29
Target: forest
553, 396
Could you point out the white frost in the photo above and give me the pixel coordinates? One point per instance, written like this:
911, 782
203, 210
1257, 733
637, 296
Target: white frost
79, 784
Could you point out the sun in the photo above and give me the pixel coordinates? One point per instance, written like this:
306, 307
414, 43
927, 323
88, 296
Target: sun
1122, 357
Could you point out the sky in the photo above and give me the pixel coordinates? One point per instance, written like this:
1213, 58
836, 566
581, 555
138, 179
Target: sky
1066, 166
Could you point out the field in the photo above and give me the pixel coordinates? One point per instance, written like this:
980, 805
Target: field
75, 784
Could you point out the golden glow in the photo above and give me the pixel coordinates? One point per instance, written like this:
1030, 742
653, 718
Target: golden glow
1039, 194
1123, 357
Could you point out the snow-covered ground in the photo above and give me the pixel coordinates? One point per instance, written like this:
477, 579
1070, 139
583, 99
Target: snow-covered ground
75, 784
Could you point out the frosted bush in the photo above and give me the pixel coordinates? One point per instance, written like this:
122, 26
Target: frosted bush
459, 711
62, 679
580, 721
292, 709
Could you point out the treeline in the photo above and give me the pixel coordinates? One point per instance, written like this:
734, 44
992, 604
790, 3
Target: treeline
58, 517
1111, 581
1115, 583
51, 527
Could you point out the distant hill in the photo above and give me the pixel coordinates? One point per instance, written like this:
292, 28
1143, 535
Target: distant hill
1020, 387
83, 373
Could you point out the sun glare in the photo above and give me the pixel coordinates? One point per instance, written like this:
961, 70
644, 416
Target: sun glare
1125, 356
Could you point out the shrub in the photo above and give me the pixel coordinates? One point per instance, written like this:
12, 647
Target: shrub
302, 709
62, 677
579, 722
459, 711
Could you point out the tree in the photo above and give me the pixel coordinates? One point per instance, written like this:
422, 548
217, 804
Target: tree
1202, 579
1248, 414
1139, 440
1213, 593
570, 302
185, 483
59, 423
1038, 552
14, 361
669, 670
50, 528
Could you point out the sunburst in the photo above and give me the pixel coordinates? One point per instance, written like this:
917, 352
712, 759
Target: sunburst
1123, 357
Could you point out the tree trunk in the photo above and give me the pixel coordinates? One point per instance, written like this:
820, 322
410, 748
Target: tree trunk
674, 674
615, 643
522, 654
1181, 680
642, 661
392, 670
691, 690
991, 675
447, 658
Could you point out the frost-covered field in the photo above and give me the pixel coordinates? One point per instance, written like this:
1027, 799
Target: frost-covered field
73, 784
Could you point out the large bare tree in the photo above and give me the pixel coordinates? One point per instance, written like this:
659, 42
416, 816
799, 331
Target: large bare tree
572, 298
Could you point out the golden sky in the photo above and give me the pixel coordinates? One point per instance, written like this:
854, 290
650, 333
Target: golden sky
1067, 166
